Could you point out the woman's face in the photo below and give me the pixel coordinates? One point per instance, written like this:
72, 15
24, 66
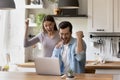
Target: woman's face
49, 26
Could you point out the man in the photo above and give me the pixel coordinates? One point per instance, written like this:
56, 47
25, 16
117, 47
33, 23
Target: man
70, 51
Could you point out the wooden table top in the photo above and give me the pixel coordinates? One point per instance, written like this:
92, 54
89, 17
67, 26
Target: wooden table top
34, 76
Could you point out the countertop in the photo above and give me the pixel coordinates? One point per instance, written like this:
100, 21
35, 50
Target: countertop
106, 65
27, 65
89, 68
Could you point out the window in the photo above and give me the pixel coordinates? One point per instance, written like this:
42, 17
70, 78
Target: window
4, 27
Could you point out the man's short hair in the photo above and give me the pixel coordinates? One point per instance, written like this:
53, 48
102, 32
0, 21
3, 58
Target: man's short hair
65, 24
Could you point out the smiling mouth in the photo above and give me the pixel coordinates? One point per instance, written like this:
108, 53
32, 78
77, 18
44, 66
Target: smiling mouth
64, 39
49, 30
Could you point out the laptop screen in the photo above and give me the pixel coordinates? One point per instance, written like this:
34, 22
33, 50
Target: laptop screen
47, 65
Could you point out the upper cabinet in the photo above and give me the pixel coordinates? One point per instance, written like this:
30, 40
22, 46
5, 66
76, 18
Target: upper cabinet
104, 16
100, 15
116, 15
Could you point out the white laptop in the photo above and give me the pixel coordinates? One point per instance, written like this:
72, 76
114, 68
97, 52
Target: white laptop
48, 66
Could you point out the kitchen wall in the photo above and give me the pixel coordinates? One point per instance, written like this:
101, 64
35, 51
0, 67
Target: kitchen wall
17, 31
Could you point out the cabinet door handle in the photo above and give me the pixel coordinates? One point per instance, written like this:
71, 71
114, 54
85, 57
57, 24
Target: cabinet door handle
100, 29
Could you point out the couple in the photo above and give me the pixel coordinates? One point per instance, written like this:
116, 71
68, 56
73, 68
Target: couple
70, 51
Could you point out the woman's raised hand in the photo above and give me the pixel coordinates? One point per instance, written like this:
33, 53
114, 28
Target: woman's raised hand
27, 24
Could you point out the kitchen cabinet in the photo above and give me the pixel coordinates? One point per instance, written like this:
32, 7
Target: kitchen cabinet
104, 16
116, 15
100, 15
107, 71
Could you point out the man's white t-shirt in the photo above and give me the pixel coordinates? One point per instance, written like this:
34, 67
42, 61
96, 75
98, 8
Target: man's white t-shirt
65, 58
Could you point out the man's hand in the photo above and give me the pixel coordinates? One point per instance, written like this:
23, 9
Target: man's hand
79, 46
79, 35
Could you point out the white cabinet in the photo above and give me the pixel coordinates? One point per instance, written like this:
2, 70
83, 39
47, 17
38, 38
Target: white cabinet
116, 15
100, 15
107, 71
114, 72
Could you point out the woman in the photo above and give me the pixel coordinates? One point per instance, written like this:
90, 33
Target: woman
48, 38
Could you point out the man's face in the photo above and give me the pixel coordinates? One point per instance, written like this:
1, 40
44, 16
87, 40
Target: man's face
65, 35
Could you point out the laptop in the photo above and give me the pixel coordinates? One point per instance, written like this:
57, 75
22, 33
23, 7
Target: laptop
47, 66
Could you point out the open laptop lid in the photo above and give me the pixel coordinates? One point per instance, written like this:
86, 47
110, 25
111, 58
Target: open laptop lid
47, 65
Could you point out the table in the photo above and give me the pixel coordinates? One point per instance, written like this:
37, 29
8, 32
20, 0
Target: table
34, 76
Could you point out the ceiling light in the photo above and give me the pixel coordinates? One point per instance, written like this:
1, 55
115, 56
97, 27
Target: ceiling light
7, 4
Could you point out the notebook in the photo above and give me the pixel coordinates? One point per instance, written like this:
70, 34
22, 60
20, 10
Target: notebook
47, 66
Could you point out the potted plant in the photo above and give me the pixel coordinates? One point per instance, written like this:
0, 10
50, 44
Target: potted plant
38, 20
70, 75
